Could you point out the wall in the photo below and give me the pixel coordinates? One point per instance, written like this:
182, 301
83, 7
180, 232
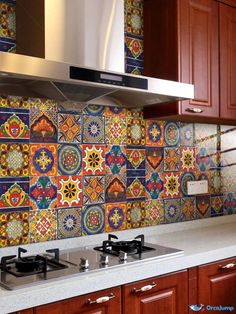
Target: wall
67, 174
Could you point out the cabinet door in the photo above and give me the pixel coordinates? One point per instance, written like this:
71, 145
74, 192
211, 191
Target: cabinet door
86, 304
199, 55
166, 295
227, 62
217, 283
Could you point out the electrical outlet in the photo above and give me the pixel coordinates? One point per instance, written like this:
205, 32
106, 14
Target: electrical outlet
197, 187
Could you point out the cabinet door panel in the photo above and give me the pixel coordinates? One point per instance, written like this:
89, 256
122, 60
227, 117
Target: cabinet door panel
199, 54
80, 304
169, 296
227, 62
217, 285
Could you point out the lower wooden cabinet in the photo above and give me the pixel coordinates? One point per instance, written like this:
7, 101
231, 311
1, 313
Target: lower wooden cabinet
212, 284
217, 284
161, 295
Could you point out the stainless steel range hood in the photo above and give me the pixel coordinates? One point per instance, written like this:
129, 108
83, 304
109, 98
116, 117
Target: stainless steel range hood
84, 58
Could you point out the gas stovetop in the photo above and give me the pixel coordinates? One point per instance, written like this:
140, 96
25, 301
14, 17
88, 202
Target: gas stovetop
27, 270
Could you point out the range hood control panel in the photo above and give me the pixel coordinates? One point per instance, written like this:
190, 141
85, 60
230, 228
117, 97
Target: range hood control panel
96, 76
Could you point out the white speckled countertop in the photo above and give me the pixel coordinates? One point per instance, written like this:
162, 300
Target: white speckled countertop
203, 241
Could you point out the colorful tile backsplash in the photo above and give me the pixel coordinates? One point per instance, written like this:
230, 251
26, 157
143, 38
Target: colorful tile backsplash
67, 174
7, 26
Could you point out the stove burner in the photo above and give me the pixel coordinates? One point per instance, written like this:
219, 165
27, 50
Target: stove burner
29, 265
135, 246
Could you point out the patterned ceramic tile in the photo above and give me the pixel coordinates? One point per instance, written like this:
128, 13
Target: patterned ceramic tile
115, 111
93, 190
115, 188
154, 133
135, 113
14, 125
217, 205
43, 225
154, 159
134, 66
227, 138
14, 102
134, 17
94, 110
43, 159
93, 130
8, 20
135, 188
228, 179
154, 186
188, 208
135, 132
172, 133
172, 210
69, 128
171, 184
69, 223
134, 51
203, 206
115, 217
69, 193
14, 193
93, 219
206, 136
14, 160
136, 162
14, 228
69, 159
229, 204
115, 130
43, 192
187, 134
115, 159
154, 212
7, 46
184, 178
215, 182
203, 159
43, 105
93, 159
135, 214
43, 126
187, 159
171, 159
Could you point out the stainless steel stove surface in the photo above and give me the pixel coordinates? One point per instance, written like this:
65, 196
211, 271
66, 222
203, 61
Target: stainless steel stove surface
23, 271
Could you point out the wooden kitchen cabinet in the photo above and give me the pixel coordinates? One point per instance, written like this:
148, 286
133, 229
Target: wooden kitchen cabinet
165, 294
227, 61
86, 304
217, 283
192, 41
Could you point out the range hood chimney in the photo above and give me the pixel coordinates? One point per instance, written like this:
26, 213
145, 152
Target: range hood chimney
74, 52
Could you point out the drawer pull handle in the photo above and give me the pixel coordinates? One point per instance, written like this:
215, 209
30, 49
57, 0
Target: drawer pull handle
194, 110
102, 299
144, 288
228, 266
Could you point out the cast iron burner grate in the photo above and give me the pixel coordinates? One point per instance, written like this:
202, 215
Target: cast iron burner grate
135, 246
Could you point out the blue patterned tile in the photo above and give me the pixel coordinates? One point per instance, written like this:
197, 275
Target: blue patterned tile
93, 219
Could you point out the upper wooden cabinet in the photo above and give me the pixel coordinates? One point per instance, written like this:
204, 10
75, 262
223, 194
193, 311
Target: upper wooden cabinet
227, 61
182, 43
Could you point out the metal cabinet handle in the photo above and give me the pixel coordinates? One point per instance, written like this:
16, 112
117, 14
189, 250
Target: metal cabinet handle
194, 110
144, 288
228, 266
101, 299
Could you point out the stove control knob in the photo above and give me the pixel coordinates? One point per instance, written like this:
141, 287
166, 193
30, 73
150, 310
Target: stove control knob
122, 256
84, 263
104, 259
